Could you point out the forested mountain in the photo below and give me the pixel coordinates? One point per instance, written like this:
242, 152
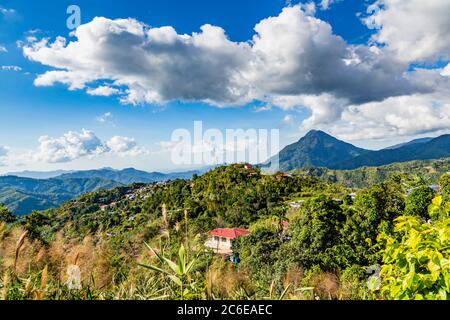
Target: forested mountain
23, 195
434, 149
129, 175
126, 243
38, 174
318, 149
428, 170
415, 141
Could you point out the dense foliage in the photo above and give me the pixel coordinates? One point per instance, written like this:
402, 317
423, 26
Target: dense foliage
23, 195
146, 241
428, 170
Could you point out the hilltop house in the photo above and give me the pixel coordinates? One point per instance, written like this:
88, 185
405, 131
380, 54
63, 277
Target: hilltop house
221, 240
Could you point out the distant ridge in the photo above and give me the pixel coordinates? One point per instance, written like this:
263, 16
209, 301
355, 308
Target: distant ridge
38, 174
416, 141
129, 175
23, 194
319, 149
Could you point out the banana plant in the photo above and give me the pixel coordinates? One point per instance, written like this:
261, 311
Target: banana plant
178, 272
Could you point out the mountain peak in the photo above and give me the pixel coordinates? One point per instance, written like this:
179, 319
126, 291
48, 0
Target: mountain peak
318, 149
318, 134
315, 132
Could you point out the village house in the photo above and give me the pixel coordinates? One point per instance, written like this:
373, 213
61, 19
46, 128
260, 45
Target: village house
296, 204
221, 240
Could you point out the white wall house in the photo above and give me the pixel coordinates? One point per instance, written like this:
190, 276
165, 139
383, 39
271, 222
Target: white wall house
221, 240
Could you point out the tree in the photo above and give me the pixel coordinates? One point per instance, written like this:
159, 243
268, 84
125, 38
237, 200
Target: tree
444, 183
417, 266
417, 202
6, 215
315, 233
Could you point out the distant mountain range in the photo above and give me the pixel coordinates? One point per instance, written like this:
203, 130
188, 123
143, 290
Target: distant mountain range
38, 174
23, 194
416, 141
26, 191
130, 175
319, 149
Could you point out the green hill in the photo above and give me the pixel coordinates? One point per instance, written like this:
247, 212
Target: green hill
428, 170
23, 195
319, 149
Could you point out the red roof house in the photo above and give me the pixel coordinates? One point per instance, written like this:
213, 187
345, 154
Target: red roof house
229, 233
220, 240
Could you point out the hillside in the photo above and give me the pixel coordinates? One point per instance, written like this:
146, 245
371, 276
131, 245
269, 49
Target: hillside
318, 149
23, 195
428, 170
415, 141
38, 174
227, 196
128, 175
326, 243
434, 149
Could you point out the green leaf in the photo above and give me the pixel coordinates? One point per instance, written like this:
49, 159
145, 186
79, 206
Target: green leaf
154, 268
173, 266
176, 280
154, 252
408, 281
182, 259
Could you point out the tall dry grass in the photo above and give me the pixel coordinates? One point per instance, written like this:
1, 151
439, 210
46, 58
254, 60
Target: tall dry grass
19, 253
224, 281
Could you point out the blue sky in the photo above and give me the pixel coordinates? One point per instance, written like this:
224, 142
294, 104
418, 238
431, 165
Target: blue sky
29, 111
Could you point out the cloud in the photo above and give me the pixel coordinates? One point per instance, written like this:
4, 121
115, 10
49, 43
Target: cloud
4, 152
125, 146
155, 64
75, 145
71, 146
105, 118
11, 68
293, 53
103, 91
6, 11
288, 120
396, 116
326, 4
294, 60
3, 155
446, 71
3, 48
414, 30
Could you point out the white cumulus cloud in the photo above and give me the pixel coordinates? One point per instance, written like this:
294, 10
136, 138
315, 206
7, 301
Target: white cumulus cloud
75, 145
415, 30
103, 91
124, 146
294, 60
71, 146
291, 54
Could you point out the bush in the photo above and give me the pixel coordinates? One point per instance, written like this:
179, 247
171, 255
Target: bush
417, 266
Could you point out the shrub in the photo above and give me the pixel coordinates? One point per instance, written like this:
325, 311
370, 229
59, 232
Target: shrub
417, 266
